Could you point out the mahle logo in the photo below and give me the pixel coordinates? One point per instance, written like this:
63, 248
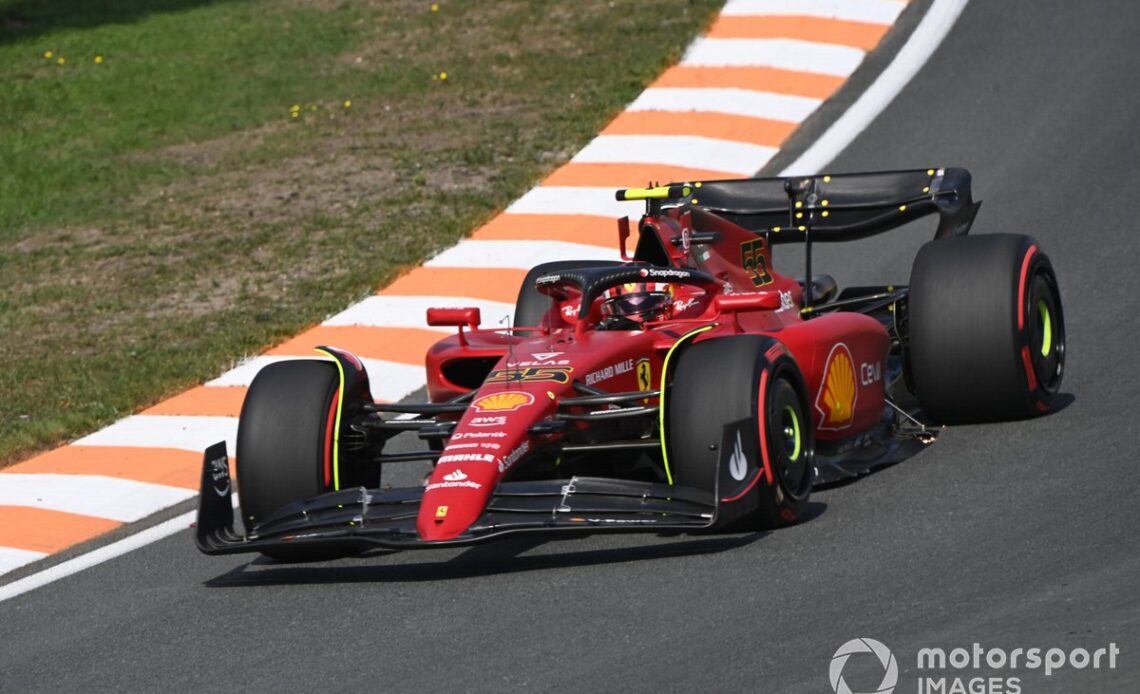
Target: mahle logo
864, 645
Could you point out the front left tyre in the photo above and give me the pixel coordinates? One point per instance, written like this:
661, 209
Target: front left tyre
285, 442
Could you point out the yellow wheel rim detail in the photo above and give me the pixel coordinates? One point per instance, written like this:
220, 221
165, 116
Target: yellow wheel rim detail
1046, 328
795, 430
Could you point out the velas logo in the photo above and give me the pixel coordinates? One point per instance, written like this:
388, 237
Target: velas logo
838, 392
503, 402
864, 645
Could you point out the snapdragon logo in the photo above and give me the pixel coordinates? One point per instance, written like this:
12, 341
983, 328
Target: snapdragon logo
864, 645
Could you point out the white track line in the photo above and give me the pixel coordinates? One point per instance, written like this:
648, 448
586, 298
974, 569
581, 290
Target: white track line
187, 433
12, 559
676, 150
518, 254
584, 200
737, 102
787, 54
925, 39
871, 11
387, 311
98, 556
90, 495
389, 380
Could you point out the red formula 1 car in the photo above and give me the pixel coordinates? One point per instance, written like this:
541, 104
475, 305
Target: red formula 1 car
691, 388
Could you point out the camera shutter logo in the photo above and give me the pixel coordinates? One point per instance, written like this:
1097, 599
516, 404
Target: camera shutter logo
880, 651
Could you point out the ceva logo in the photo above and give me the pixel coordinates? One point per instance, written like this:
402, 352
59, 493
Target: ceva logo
864, 645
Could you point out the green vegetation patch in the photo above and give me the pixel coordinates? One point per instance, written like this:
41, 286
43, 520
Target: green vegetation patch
183, 183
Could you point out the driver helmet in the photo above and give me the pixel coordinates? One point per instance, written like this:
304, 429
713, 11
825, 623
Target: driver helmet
640, 302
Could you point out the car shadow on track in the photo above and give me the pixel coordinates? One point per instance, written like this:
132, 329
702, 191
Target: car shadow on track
1062, 401
501, 557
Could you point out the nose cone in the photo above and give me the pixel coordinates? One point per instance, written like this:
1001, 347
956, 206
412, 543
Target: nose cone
456, 495
486, 444
490, 438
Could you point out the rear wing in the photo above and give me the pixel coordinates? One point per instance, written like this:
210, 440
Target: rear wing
827, 208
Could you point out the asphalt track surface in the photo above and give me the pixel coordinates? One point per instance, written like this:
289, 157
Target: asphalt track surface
1011, 535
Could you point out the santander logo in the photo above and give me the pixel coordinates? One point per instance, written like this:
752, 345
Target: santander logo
454, 480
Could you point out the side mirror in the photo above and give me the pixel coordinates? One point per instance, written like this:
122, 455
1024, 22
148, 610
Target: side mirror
732, 304
623, 237
756, 301
457, 317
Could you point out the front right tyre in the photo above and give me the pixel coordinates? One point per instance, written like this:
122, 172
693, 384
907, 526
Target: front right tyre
749, 379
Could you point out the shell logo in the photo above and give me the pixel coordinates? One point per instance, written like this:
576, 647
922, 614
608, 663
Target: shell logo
503, 402
838, 390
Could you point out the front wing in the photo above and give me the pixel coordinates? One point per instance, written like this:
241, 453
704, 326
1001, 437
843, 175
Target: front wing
360, 519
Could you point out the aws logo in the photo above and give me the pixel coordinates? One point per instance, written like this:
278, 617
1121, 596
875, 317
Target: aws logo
838, 390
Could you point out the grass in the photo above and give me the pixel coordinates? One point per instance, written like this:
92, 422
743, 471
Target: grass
197, 180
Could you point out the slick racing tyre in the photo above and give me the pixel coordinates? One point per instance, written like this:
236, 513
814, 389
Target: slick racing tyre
986, 329
531, 305
284, 443
762, 465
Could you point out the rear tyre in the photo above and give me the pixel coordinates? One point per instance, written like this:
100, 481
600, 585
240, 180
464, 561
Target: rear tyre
284, 443
726, 380
531, 305
986, 329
